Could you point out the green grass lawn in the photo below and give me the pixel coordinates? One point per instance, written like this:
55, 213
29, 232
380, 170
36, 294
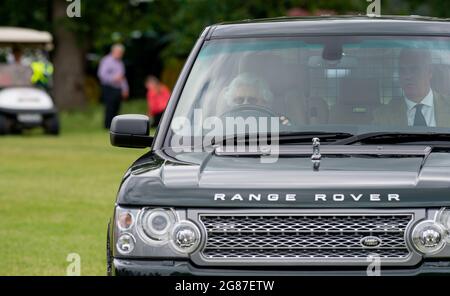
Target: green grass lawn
57, 193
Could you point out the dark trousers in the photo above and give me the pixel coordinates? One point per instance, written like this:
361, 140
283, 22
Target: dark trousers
112, 97
156, 119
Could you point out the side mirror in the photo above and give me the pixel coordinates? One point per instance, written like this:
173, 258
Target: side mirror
130, 130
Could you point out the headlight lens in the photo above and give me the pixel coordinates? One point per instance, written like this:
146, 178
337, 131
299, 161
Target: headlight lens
429, 237
154, 232
125, 243
185, 237
443, 217
156, 223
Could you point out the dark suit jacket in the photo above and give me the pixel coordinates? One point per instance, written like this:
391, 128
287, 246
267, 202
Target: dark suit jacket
395, 113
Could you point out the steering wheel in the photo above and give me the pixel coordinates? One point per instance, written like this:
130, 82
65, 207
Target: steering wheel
255, 111
247, 110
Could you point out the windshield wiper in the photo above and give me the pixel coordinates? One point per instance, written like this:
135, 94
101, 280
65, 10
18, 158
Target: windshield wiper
394, 138
284, 137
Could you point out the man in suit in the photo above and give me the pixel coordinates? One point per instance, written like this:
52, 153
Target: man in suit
420, 105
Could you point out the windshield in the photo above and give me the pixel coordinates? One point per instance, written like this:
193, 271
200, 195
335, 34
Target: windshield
15, 75
347, 84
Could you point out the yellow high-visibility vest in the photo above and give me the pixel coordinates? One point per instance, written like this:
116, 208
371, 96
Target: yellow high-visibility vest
41, 72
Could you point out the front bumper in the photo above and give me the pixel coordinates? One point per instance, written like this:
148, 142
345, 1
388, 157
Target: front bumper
124, 267
14, 116
13, 112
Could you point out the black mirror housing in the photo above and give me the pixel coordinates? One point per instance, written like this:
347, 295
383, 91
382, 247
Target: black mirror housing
131, 131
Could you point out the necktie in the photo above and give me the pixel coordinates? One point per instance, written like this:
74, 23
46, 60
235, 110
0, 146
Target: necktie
419, 119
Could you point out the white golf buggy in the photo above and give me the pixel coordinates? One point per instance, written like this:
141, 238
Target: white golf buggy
23, 104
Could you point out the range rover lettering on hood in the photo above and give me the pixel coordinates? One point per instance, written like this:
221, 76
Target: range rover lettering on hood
319, 197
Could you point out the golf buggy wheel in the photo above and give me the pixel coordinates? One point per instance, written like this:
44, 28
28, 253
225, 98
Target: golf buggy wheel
4, 125
51, 125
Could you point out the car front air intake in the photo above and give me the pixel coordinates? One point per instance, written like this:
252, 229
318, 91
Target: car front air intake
305, 237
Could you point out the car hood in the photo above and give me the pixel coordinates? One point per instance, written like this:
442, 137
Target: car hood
344, 179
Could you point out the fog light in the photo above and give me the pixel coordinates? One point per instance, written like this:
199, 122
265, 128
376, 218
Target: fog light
185, 237
125, 243
125, 220
429, 237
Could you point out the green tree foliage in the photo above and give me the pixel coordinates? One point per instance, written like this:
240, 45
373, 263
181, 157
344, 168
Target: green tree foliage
182, 20
32, 14
192, 16
177, 22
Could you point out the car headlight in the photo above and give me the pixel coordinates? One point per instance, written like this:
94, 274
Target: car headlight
155, 233
185, 237
443, 218
429, 237
156, 224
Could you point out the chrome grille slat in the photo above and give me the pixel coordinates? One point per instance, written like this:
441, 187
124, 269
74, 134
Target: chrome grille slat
288, 241
277, 254
304, 223
304, 237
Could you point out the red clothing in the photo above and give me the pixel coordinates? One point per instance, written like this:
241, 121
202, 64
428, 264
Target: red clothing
157, 99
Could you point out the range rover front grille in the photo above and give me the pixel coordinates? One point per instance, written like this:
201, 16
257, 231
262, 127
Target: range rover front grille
302, 237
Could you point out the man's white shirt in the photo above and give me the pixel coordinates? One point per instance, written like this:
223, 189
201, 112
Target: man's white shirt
427, 110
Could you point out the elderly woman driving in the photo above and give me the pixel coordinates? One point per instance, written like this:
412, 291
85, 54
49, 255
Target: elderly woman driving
248, 89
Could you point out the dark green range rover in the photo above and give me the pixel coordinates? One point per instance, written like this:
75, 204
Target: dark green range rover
294, 146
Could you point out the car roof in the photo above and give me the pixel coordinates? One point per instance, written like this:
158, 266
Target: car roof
332, 25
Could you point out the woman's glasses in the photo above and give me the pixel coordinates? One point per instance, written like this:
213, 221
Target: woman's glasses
250, 100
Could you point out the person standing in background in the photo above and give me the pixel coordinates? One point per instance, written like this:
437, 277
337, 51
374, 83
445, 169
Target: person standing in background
111, 73
157, 97
19, 68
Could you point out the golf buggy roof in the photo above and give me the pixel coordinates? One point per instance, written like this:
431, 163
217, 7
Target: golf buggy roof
12, 36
